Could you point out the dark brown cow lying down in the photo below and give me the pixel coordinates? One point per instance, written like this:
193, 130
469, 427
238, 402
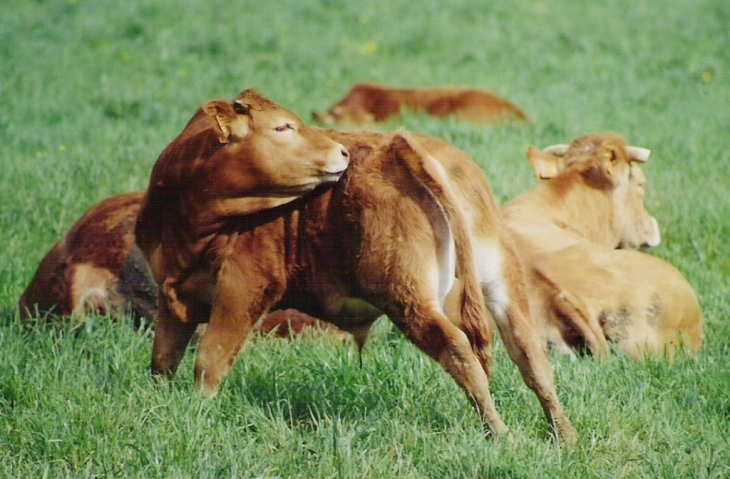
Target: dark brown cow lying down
97, 268
583, 291
367, 103
389, 238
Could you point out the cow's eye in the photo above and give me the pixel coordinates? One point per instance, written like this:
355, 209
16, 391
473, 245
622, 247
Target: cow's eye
284, 127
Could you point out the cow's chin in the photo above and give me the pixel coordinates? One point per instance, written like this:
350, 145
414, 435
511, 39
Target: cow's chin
331, 177
302, 188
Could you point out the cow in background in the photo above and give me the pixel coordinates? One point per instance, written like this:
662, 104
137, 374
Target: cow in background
95, 268
367, 103
584, 293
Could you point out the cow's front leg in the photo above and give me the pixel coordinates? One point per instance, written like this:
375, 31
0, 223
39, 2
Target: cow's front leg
172, 337
240, 301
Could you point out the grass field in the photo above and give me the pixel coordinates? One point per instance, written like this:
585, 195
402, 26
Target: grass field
93, 90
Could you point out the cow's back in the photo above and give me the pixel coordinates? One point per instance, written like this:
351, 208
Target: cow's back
640, 302
667, 305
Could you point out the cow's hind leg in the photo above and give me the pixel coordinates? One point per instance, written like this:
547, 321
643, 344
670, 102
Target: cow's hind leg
526, 350
507, 301
434, 334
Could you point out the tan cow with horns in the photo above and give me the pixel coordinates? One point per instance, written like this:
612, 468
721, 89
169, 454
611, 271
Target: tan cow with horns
584, 293
390, 237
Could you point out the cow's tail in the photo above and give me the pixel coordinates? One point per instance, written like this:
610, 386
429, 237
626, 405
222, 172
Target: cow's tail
474, 315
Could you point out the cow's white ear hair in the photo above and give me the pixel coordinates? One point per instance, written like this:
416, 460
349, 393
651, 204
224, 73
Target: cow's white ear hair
219, 119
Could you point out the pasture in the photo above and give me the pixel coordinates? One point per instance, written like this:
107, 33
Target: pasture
93, 90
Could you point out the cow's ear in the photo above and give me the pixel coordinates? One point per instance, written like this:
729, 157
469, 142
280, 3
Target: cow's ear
544, 165
226, 121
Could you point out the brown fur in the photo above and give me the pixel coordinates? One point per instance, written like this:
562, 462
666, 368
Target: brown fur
291, 322
393, 215
583, 292
96, 267
254, 165
366, 103
251, 154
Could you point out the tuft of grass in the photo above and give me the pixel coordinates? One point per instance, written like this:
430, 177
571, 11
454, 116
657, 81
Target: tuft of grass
92, 91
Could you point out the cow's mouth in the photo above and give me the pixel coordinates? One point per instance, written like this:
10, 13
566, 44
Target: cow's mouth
330, 176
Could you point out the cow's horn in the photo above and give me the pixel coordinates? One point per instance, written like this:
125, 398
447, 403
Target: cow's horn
557, 150
637, 153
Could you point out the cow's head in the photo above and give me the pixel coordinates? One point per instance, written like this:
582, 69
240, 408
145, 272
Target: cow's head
605, 162
360, 106
266, 148
344, 113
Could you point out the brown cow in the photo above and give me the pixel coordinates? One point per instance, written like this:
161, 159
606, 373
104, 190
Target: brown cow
366, 103
97, 268
583, 292
389, 238
253, 164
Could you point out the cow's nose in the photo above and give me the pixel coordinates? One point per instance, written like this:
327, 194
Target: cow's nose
345, 153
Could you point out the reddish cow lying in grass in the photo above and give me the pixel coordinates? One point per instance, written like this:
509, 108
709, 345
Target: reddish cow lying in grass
390, 237
97, 268
367, 103
584, 293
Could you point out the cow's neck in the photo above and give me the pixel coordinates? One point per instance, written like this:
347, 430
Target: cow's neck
562, 216
584, 211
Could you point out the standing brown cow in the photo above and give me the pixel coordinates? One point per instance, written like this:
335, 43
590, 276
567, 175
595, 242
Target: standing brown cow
367, 103
389, 238
96, 267
584, 292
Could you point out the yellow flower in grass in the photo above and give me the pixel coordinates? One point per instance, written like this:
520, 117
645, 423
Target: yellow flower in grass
369, 48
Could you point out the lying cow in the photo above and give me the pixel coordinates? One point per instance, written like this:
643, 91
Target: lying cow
584, 293
367, 103
96, 268
388, 238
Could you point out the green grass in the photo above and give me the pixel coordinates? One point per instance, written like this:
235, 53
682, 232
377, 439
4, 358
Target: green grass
92, 91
